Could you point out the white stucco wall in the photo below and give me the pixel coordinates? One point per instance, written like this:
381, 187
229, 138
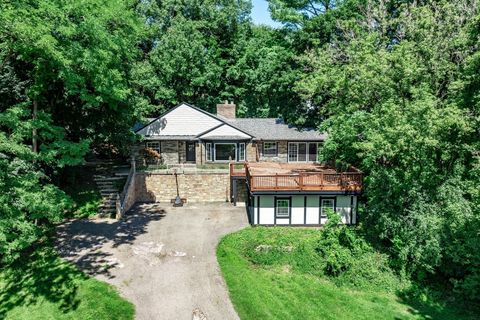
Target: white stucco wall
265, 214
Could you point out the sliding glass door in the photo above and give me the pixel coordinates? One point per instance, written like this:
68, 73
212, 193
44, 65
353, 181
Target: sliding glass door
302, 151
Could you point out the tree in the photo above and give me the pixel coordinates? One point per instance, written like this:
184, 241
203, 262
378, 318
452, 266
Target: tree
64, 85
187, 52
75, 57
396, 92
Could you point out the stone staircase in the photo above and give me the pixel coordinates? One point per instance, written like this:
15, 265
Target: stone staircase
110, 179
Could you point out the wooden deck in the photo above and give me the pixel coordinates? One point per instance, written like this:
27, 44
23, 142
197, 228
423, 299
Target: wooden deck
269, 176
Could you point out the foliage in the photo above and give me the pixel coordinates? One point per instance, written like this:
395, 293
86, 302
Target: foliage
79, 184
28, 200
43, 286
187, 51
392, 87
338, 253
268, 284
71, 60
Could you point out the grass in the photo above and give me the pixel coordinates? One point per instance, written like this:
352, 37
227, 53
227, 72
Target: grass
278, 289
43, 286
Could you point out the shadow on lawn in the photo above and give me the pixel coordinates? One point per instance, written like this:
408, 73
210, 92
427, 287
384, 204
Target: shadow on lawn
81, 241
43, 275
40, 275
437, 305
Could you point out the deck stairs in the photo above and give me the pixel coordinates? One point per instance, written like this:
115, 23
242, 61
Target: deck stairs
110, 179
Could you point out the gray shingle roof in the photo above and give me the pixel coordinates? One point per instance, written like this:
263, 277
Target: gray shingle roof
275, 129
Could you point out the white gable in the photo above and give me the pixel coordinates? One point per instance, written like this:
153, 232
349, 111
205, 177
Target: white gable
181, 121
225, 131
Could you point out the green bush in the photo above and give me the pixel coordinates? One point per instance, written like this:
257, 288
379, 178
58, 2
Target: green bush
336, 252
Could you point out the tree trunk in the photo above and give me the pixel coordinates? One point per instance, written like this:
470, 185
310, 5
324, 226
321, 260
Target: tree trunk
34, 131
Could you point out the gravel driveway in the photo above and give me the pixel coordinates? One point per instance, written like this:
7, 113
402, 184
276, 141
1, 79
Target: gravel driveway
160, 258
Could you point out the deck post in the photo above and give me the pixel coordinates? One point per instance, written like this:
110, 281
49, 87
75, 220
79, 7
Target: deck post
300, 181
235, 192
276, 180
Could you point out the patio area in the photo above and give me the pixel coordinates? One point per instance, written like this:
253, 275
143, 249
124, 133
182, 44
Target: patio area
271, 176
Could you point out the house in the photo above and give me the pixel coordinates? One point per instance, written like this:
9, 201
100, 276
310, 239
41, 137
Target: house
187, 134
281, 181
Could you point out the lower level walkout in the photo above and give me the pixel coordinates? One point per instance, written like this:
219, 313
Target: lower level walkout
300, 210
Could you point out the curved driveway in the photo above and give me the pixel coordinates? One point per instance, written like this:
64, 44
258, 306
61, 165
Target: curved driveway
162, 259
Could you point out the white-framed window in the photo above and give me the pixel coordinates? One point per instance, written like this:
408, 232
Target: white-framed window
303, 151
154, 145
241, 152
292, 152
282, 208
208, 152
326, 204
269, 148
225, 151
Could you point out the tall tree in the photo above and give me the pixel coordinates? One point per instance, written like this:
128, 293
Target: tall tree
64, 83
189, 47
392, 91
76, 58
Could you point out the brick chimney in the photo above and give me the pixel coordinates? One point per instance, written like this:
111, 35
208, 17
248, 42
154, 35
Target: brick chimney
226, 109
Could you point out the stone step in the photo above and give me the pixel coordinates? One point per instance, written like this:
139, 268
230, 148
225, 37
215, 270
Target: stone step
105, 178
107, 207
109, 195
108, 190
105, 182
107, 186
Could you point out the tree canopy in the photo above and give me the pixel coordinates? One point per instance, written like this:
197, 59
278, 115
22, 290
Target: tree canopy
394, 83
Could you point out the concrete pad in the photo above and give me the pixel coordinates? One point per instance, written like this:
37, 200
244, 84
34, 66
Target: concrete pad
161, 258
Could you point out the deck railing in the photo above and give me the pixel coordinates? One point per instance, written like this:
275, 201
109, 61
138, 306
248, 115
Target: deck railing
308, 181
237, 172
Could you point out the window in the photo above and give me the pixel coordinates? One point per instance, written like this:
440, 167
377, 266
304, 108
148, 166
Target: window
225, 151
326, 204
292, 152
303, 151
208, 152
241, 152
269, 149
312, 152
282, 208
154, 145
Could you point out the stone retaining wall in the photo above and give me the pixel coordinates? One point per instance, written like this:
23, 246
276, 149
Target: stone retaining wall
155, 187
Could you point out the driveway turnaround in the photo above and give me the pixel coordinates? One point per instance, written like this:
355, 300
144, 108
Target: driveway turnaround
161, 258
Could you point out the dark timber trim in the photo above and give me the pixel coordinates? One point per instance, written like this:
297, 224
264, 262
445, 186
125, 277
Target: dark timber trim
235, 193
356, 211
351, 210
305, 209
258, 209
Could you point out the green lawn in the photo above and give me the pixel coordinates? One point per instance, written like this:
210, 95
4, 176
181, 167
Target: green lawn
43, 286
281, 291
